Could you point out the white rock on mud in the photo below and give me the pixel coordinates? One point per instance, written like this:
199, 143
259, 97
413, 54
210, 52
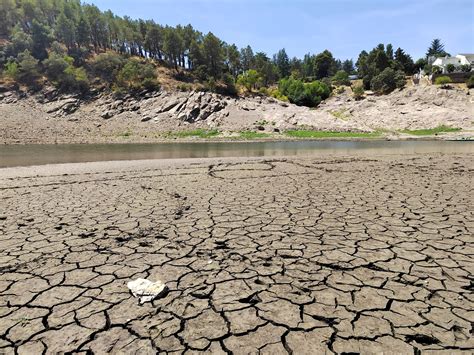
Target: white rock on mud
146, 290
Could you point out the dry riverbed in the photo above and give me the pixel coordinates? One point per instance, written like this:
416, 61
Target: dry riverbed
336, 254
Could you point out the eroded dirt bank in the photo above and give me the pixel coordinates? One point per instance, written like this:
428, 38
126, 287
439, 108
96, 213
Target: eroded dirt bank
47, 117
337, 254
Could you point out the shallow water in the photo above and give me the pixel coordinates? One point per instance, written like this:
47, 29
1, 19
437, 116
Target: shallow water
32, 154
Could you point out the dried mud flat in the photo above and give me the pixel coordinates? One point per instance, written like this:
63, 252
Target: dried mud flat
302, 256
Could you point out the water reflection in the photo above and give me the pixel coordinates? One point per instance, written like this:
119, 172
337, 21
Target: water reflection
24, 155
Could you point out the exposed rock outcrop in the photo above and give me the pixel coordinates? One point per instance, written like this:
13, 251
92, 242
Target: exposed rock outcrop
106, 115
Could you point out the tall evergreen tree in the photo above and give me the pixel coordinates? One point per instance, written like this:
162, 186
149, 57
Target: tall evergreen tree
282, 62
436, 49
83, 32
404, 61
213, 54
65, 31
233, 60
8, 16
324, 65
172, 45
348, 66
41, 36
389, 51
247, 58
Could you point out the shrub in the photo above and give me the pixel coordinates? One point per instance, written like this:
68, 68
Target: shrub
19, 42
61, 71
107, 65
274, 92
470, 82
11, 70
436, 70
387, 81
184, 87
27, 71
450, 68
55, 66
316, 91
249, 79
443, 80
75, 79
263, 91
341, 78
79, 55
210, 85
229, 85
328, 83
136, 76
465, 68
303, 94
358, 92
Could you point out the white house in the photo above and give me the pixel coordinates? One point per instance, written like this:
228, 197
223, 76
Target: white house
457, 61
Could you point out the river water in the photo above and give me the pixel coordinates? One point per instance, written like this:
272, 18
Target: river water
32, 154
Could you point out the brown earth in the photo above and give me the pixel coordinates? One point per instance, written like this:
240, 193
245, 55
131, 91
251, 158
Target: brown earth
302, 256
51, 118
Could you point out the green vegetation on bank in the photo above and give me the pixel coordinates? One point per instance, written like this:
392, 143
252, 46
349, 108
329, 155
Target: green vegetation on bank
431, 131
195, 133
253, 135
304, 94
443, 80
331, 134
202, 133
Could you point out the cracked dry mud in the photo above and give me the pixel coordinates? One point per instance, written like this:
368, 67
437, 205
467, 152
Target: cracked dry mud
302, 256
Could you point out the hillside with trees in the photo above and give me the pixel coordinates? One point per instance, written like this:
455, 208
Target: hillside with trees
77, 47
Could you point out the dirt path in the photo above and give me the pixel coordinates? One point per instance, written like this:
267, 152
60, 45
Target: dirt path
278, 256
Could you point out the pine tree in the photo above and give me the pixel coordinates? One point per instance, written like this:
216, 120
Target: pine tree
324, 65
83, 32
213, 54
436, 49
348, 66
247, 58
41, 36
65, 31
389, 51
283, 63
404, 61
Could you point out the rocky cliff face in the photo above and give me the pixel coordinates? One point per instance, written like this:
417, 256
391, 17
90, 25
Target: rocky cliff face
104, 115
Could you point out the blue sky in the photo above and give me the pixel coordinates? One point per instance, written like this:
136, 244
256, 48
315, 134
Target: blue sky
345, 27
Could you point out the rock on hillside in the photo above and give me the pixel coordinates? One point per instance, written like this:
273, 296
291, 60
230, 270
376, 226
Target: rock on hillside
50, 117
411, 108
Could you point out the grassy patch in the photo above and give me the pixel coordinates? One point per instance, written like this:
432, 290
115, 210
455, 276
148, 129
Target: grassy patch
331, 134
125, 134
252, 135
430, 131
197, 133
341, 115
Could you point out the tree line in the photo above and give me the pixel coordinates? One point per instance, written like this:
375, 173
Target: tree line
69, 42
